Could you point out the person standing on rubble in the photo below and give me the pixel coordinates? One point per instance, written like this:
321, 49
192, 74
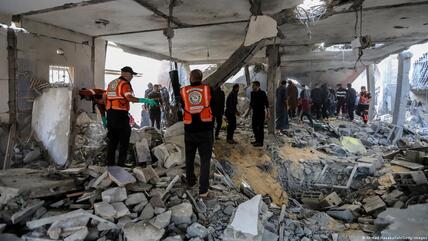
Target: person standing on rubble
316, 96
198, 129
119, 94
259, 104
306, 105
145, 115
281, 107
292, 95
231, 113
218, 109
351, 96
155, 111
325, 102
364, 104
341, 100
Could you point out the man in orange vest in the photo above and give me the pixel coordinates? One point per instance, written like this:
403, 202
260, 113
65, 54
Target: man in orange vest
119, 94
198, 127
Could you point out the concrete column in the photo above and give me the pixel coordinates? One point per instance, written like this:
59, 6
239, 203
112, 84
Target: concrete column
371, 87
273, 75
247, 74
402, 92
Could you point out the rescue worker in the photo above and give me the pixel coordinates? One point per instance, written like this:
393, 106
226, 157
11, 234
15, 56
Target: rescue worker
259, 104
281, 107
119, 94
218, 109
364, 104
155, 111
341, 100
351, 96
198, 129
97, 98
231, 113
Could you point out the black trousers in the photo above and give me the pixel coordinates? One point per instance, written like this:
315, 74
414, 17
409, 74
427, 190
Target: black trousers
302, 114
203, 143
317, 109
155, 116
119, 132
218, 119
231, 126
351, 108
258, 123
341, 106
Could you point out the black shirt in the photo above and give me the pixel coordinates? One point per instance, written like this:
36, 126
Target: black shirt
259, 101
218, 104
231, 103
197, 124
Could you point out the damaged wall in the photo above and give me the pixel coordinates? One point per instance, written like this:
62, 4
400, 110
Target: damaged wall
4, 94
53, 127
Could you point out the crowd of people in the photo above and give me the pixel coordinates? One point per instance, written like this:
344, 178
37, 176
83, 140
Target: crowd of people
320, 103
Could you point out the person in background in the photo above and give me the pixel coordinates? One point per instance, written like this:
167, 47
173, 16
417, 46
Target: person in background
364, 104
231, 113
119, 94
198, 129
351, 96
341, 100
281, 107
145, 115
155, 111
292, 95
306, 105
218, 109
259, 104
332, 102
325, 102
149, 90
316, 96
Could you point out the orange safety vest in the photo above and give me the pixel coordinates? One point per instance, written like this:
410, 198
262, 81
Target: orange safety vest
115, 96
196, 101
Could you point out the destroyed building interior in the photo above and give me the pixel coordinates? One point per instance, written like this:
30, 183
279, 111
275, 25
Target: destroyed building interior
328, 179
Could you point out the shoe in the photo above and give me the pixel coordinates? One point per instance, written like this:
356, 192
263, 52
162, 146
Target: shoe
257, 144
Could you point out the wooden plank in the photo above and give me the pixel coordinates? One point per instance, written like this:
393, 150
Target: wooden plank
410, 165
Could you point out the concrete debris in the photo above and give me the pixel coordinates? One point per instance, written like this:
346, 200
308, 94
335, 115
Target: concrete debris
143, 151
136, 198
197, 230
162, 220
119, 176
142, 230
116, 194
182, 214
372, 204
105, 210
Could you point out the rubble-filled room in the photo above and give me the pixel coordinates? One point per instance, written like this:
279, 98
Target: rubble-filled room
197, 120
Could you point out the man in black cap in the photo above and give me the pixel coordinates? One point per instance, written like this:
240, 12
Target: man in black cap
119, 94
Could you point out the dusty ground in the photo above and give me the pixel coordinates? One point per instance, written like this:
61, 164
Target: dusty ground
245, 159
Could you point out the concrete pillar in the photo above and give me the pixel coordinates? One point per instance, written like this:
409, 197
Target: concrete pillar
371, 87
247, 74
402, 92
273, 75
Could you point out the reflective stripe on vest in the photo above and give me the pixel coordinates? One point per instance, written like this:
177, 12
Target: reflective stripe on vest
115, 100
196, 101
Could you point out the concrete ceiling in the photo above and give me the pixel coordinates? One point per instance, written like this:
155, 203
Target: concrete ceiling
208, 31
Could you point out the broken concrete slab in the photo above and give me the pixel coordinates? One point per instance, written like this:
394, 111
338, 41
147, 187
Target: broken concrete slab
116, 194
323, 221
9, 237
392, 197
148, 212
162, 220
145, 175
56, 228
2, 227
136, 198
137, 231
409, 222
410, 165
169, 155
35, 183
197, 230
105, 210
119, 176
341, 214
121, 209
372, 204
182, 213
79, 235
410, 179
25, 214
246, 216
143, 151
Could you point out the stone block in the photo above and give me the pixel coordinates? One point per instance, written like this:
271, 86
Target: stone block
372, 204
162, 220
121, 209
182, 213
197, 230
148, 212
116, 194
119, 176
142, 231
392, 197
136, 198
331, 200
105, 210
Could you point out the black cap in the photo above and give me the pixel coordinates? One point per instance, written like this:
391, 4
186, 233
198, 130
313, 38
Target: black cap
128, 69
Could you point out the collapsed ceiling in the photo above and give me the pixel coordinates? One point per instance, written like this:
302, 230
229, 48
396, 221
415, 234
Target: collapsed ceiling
207, 31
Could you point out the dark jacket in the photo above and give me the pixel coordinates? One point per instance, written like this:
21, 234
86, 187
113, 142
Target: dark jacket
218, 103
351, 96
231, 103
316, 96
281, 98
259, 102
